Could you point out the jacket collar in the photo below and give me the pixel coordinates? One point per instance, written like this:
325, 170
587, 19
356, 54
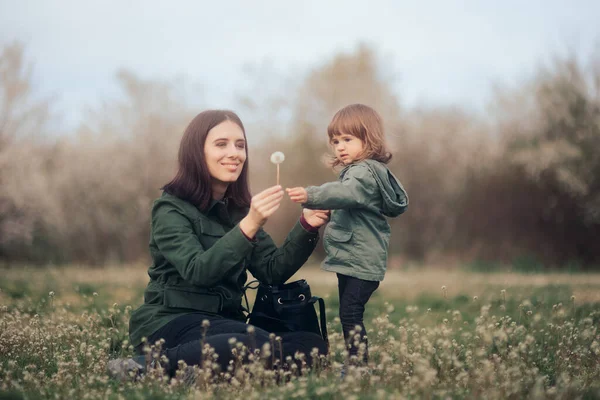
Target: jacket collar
213, 203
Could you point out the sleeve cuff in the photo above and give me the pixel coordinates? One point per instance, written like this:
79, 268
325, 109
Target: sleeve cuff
251, 240
310, 198
308, 227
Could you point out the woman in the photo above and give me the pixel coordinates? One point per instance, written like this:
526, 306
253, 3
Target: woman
206, 233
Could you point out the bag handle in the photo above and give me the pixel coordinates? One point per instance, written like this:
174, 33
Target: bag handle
249, 285
323, 318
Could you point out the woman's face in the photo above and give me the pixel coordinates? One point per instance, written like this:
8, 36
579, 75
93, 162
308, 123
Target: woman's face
225, 152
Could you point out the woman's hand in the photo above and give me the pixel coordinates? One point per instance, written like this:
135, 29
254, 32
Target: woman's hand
316, 218
262, 206
297, 194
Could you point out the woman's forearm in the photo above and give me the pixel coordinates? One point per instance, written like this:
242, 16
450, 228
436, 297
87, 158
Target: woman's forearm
271, 264
249, 227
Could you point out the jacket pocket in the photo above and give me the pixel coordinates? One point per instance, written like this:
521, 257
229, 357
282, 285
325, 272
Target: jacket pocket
194, 300
340, 236
339, 244
210, 228
209, 232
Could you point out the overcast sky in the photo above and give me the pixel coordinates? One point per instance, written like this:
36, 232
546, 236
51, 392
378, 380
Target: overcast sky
443, 52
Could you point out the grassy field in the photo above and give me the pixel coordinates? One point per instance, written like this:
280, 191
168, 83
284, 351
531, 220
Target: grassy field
433, 334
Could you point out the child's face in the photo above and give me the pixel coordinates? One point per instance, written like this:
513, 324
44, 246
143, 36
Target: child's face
347, 148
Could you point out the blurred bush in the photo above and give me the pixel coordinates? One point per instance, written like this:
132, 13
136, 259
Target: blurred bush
521, 183
538, 198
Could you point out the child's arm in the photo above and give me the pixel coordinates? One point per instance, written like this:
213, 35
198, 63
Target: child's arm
353, 191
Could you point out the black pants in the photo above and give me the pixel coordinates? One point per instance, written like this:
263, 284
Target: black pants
354, 294
183, 340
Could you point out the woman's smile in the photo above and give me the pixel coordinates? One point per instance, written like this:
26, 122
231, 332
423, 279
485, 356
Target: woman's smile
231, 166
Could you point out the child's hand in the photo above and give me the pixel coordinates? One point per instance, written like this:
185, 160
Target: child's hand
297, 194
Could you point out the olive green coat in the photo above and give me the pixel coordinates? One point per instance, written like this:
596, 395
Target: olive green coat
357, 237
200, 262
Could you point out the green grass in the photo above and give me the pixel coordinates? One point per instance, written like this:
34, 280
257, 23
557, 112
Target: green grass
508, 336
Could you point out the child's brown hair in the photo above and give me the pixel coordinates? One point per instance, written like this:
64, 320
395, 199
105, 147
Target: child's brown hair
363, 122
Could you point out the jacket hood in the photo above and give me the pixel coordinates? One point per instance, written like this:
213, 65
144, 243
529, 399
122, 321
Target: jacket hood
395, 198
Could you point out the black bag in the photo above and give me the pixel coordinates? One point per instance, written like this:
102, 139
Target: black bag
287, 308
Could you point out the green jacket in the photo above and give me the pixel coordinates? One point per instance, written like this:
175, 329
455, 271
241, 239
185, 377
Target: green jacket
357, 237
200, 262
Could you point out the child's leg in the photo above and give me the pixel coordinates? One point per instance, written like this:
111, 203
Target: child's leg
342, 279
354, 294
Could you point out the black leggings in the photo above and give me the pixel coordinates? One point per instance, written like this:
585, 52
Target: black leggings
183, 340
354, 295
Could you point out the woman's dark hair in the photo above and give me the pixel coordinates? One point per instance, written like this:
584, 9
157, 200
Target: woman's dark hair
193, 181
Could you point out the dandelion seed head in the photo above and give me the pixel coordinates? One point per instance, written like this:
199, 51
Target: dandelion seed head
277, 158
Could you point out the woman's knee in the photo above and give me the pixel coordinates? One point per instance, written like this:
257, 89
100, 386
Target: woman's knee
259, 334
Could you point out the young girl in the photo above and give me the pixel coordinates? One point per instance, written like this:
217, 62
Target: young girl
356, 239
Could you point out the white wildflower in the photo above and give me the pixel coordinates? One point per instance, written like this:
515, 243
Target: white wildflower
277, 158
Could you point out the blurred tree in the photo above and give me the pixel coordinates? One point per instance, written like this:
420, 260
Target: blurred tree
20, 115
360, 76
542, 194
437, 149
562, 149
560, 156
527, 186
21, 119
116, 165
